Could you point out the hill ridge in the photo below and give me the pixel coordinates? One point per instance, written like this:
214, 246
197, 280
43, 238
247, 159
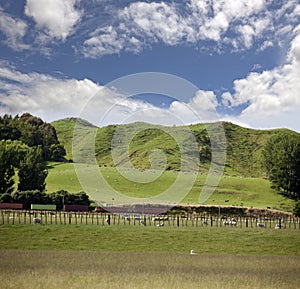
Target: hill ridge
244, 145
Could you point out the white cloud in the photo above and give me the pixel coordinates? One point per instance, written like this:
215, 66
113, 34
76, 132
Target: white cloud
43, 95
200, 108
53, 98
189, 22
56, 18
103, 41
157, 21
14, 29
272, 94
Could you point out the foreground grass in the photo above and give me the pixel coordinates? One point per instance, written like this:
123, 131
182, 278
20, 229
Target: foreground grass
89, 256
70, 269
204, 240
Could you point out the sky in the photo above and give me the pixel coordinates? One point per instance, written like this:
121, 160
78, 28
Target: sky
185, 61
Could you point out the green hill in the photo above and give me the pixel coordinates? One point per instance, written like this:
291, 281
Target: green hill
243, 145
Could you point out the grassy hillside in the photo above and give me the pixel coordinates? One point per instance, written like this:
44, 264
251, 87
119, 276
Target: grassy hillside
235, 191
244, 146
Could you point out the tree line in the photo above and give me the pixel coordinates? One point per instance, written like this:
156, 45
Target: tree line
58, 198
33, 132
26, 143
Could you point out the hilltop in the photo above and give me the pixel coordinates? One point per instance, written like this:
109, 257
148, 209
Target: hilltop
243, 145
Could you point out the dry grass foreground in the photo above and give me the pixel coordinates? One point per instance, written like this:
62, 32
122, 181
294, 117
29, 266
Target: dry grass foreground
84, 269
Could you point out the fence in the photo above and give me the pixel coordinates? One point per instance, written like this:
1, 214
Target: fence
106, 219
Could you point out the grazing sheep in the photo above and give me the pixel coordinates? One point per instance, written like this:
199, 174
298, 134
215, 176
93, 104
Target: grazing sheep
37, 221
230, 223
192, 252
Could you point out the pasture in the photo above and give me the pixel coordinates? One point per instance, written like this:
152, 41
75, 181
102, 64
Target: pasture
239, 191
86, 256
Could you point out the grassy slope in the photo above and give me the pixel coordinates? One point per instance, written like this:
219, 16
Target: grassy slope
244, 146
239, 191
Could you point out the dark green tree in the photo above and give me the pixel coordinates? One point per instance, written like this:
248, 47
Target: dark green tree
6, 170
32, 171
57, 152
9, 128
6, 198
60, 198
297, 209
30, 197
10, 154
282, 161
81, 199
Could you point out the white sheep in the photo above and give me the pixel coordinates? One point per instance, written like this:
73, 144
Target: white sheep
229, 223
192, 252
37, 220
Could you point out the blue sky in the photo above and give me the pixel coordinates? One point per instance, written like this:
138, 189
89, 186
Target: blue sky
243, 57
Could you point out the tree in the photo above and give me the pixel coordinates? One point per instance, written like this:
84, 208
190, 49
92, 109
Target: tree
30, 197
60, 198
6, 176
57, 152
10, 154
6, 198
32, 171
282, 161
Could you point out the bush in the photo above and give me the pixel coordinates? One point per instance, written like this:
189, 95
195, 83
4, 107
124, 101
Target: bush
297, 209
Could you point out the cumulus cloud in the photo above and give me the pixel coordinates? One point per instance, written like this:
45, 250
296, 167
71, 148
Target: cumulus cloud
271, 93
231, 23
56, 18
53, 98
103, 41
157, 21
41, 94
14, 29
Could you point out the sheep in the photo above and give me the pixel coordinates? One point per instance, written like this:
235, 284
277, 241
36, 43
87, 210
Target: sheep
160, 225
278, 226
142, 222
37, 220
192, 252
160, 218
260, 225
230, 223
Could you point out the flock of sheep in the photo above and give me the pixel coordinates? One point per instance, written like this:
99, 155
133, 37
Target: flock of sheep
162, 219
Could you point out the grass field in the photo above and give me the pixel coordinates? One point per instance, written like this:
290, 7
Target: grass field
254, 192
69, 269
60, 256
205, 240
